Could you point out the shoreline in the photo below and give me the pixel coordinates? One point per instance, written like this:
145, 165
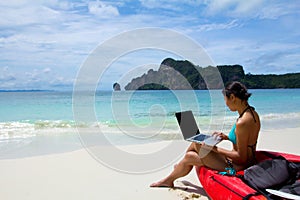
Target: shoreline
77, 175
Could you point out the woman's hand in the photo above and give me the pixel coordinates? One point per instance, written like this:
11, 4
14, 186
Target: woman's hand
220, 135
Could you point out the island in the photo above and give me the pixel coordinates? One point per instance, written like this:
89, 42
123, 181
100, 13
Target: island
116, 87
184, 75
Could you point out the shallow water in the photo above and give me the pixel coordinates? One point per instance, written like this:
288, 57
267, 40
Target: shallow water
49, 122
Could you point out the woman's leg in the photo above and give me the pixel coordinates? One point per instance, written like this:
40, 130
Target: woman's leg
190, 159
195, 156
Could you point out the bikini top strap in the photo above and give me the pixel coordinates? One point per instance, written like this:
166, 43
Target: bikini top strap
251, 110
253, 145
253, 152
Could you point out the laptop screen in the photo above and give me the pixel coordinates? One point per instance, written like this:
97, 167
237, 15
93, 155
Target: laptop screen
187, 124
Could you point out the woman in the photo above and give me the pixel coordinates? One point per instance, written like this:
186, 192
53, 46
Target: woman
243, 135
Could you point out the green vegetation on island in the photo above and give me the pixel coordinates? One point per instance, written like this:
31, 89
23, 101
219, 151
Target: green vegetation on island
199, 78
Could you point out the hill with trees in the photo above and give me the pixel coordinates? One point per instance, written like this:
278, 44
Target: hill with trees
182, 75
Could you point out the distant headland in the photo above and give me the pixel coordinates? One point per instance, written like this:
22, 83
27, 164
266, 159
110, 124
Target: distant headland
210, 77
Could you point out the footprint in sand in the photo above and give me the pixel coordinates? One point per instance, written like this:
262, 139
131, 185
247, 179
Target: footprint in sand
189, 196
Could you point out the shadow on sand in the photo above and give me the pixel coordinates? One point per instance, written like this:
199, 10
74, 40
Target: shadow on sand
191, 190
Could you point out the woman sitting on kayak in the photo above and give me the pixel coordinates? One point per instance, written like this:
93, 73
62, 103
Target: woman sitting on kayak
243, 136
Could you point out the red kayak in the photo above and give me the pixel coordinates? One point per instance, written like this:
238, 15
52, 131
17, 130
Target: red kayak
220, 187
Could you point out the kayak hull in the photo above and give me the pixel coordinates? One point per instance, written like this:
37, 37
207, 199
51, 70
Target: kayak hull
219, 187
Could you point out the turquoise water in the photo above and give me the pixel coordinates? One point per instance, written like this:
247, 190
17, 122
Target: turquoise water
147, 115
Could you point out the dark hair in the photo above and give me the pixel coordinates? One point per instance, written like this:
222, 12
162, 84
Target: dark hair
237, 89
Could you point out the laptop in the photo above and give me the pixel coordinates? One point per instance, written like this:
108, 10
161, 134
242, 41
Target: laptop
190, 130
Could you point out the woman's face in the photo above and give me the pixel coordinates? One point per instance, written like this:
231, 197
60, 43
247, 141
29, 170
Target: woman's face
230, 102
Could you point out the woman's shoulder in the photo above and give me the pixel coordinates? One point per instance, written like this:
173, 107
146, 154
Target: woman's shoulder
248, 118
248, 121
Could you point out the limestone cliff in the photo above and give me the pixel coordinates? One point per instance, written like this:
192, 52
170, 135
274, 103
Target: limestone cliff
178, 75
184, 75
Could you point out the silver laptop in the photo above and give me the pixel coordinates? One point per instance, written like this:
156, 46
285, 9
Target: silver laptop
190, 130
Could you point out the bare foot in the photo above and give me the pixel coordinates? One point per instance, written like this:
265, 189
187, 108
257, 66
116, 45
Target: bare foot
162, 183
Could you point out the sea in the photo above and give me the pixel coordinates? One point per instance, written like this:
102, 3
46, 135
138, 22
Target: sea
43, 122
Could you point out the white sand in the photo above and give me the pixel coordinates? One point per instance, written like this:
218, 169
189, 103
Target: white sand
77, 175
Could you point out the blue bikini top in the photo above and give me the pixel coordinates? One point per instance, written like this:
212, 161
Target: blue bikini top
231, 135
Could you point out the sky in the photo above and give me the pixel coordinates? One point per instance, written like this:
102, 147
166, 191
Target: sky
44, 43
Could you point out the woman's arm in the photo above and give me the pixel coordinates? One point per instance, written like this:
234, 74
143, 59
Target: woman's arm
221, 135
239, 152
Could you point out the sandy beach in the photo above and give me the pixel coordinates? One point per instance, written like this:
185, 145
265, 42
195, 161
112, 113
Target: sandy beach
77, 175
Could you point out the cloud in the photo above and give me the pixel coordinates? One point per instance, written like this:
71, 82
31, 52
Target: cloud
14, 3
261, 9
100, 9
256, 57
276, 10
235, 6
61, 83
44, 79
269, 58
279, 61
169, 4
28, 15
7, 79
218, 26
33, 79
47, 70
